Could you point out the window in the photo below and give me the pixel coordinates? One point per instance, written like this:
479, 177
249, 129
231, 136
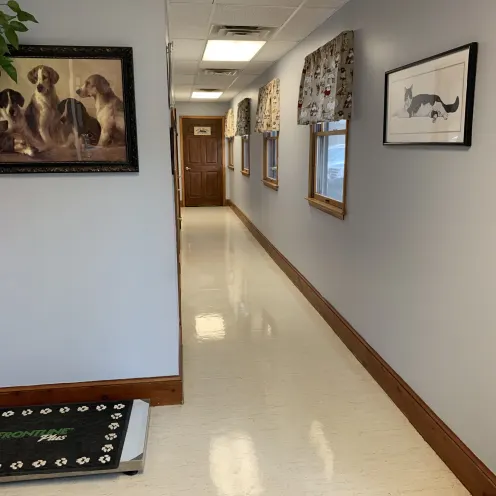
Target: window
230, 152
245, 155
327, 178
271, 159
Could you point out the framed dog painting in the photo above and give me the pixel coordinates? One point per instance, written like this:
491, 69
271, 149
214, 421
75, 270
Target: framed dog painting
72, 110
431, 102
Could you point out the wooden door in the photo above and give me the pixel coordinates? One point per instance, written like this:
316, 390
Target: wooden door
202, 162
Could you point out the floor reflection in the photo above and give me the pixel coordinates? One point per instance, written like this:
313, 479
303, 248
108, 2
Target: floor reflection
234, 467
210, 327
323, 448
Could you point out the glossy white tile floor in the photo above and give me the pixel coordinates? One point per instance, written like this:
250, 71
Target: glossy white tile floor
275, 404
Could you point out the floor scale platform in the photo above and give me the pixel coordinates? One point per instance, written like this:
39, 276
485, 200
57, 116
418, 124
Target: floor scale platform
72, 440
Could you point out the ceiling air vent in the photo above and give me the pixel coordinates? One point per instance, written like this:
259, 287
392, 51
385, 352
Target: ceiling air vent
241, 32
208, 90
220, 72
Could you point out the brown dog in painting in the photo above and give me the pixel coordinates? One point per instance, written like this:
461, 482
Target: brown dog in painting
109, 109
42, 114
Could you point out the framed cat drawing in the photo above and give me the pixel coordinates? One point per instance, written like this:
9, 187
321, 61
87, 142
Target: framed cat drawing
431, 102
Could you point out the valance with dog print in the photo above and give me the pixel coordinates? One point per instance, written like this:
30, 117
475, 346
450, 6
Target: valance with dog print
230, 130
268, 111
326, 89
243, 120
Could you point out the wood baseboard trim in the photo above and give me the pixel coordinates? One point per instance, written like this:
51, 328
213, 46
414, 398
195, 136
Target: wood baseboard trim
229, 203
160, 390
475, 476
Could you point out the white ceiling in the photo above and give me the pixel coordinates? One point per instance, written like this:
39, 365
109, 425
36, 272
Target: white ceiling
190, 22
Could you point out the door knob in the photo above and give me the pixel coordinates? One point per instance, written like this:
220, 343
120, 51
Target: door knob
188, 168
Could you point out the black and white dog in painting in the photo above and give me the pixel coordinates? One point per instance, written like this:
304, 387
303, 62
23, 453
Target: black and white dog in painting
78, 123
16, 134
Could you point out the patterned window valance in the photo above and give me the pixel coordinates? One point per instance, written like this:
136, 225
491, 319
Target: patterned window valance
326, 89
243, 123
230, 131
268, 113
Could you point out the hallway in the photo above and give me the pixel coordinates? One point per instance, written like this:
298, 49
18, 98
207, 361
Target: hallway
275, 405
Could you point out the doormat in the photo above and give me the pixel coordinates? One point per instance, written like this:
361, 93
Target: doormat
47, 439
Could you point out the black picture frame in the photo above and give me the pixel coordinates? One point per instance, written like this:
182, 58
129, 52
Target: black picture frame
467, 100
125, 56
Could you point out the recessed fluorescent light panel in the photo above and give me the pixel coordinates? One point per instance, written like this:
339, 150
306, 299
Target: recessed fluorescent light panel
231, 51
210, 95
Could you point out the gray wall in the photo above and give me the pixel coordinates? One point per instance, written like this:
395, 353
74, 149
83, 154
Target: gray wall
88, 276
197, 109
412, 267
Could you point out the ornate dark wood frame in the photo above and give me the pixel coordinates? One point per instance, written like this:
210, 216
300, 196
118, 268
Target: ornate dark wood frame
125, 55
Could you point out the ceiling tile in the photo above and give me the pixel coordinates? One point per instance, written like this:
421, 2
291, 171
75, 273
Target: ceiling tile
188, 20
221, 82
274, 50
188, 49
183, 79
227, 96
220, 87
242, 81
182, 92
269, 3
190, 1
223, 65
256, 67
329, 4
303, 23
248, 15
188, 67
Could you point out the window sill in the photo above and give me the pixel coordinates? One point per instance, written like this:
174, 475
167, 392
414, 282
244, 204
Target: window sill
230, 167
327, 208
271, 184
245, 172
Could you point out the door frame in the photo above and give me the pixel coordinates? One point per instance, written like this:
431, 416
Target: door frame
177, 209
183, 191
